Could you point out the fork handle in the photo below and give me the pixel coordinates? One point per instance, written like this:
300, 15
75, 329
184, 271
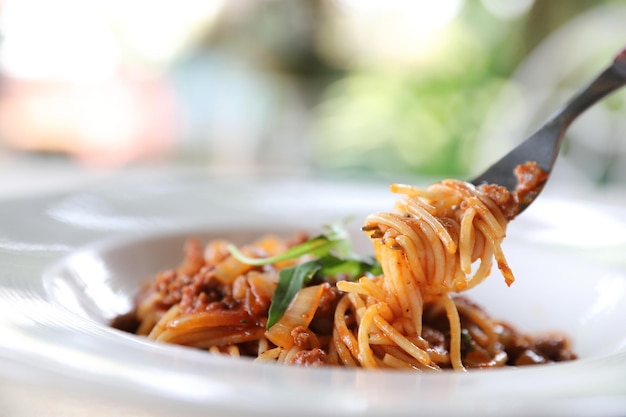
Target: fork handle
608, 81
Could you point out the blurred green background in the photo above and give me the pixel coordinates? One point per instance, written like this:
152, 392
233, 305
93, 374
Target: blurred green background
341, 88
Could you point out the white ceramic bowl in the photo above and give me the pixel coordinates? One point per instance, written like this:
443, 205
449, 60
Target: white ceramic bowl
70, 263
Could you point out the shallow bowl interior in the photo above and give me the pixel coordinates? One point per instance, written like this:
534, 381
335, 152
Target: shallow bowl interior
552, 291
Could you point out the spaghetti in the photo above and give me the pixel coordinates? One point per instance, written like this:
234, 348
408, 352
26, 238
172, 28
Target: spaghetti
435, 243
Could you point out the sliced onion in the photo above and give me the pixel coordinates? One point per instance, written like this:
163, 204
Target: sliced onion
300, 312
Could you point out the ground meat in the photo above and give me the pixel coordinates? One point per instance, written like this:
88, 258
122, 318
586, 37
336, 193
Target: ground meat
504, 199
301, 337
324, 315
554, 346
170, 285
194, 258
529, 357
176, 285
313, 357
514, 342
528, 350
203, 291
519, 348
530, 181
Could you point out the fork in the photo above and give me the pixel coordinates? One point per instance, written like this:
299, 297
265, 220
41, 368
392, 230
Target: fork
543, 146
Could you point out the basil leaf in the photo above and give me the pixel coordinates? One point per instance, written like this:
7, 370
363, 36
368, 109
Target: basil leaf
336, 238
290, 281
334, 256
293, 279
353, 267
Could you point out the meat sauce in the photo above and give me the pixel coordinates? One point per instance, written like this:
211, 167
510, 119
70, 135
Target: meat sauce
194, 290
193, 286
530, 181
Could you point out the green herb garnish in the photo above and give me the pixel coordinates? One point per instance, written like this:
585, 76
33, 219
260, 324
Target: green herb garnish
290, 281
336, 238
334, 257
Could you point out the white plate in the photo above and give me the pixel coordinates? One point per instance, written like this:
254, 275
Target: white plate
69, 263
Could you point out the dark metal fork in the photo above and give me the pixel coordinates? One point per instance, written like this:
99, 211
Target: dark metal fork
543, 146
